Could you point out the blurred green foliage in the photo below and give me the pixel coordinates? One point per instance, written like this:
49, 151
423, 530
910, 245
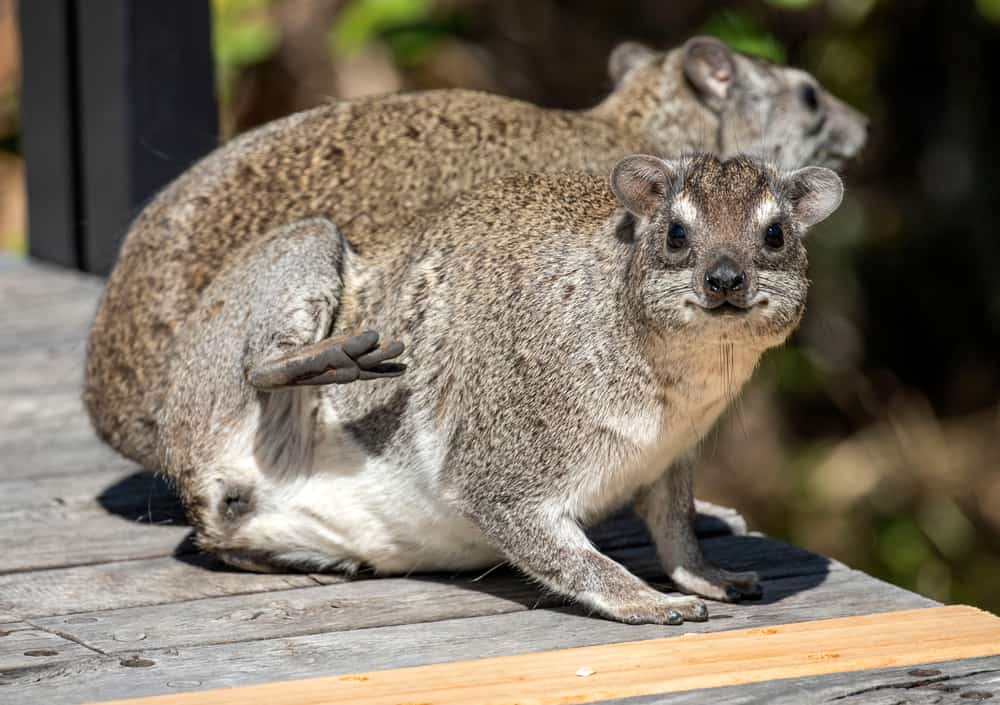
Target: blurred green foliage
363, 21
744, 33
242, 34
990, 9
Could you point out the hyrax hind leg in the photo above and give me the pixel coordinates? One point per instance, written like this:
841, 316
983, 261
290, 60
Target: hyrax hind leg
238, 421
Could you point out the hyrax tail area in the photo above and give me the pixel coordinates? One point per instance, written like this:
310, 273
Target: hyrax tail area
238, 421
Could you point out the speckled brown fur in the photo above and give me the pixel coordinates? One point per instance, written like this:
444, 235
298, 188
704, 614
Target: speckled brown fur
374, 163
556, 371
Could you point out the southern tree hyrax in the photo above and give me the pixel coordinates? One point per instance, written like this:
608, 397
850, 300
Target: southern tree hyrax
567, 345
371, 164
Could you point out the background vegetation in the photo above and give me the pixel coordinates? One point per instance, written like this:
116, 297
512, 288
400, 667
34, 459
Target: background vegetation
873, 437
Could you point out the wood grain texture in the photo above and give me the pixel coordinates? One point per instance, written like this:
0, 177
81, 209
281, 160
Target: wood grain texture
24, 647
77, 490
647, 667
224, 665
947, 683
167, 579
395, 601
128, 584
51, 537
95, 568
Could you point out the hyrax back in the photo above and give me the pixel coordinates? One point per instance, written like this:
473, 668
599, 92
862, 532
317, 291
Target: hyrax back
566, 348
372, 163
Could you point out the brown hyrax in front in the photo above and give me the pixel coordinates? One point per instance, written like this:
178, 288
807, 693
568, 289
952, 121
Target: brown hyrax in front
371, 164
567, 345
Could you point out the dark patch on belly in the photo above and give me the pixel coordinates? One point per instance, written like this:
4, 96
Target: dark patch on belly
376, 429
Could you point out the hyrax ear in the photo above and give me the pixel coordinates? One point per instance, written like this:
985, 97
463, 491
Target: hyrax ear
641, 183
815, 192
710, 68
625, 56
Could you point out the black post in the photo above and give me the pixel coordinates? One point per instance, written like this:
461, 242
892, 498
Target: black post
142, 106
48, 130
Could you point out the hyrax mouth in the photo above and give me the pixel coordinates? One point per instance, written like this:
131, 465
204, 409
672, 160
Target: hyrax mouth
727, 309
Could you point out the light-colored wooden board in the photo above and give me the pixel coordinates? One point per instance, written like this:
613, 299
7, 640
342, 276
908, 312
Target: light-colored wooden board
80, 490
60, 457
24, 647
393, 601
176, 669
55, 372
646, 667
948, 683
129, 584
58, 447
50, 537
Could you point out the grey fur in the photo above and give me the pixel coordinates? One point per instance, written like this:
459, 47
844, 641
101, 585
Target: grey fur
371, 164
555, 370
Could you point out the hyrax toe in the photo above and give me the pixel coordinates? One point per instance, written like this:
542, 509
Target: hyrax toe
662, 609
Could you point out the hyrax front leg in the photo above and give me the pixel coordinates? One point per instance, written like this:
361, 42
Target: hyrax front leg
667, 506
555, 551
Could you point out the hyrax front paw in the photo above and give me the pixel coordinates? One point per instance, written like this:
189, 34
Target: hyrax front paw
652, 607
717, 584
331, 361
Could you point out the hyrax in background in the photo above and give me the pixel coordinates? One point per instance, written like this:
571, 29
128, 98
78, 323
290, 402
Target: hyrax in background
369, 165
566, 344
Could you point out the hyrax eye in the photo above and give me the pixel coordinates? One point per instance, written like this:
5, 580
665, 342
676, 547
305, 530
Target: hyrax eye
774, 236
676, 236
808, 96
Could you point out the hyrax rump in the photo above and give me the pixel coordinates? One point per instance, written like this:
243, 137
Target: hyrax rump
566, 347
371, 164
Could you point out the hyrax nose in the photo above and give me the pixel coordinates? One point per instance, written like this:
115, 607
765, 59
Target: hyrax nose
723, 277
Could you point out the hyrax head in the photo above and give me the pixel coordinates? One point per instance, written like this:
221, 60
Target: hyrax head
774, 112
719, 252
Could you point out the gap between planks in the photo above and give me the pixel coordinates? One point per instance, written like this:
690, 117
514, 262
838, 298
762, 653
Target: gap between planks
649, 667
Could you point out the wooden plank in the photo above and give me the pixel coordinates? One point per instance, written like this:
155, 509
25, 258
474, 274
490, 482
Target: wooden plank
51, 537
168, 580
45, 308
646, 667
56, 455
66, 332
48, 134
24, 647
46, 432
122, 491
128, 584
962, 681
332, 654
394, 601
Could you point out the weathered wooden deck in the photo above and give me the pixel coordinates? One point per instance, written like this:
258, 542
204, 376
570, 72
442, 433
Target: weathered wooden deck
103, 597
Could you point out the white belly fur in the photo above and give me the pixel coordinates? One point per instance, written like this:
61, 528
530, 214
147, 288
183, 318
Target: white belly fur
353, 508
388, 512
